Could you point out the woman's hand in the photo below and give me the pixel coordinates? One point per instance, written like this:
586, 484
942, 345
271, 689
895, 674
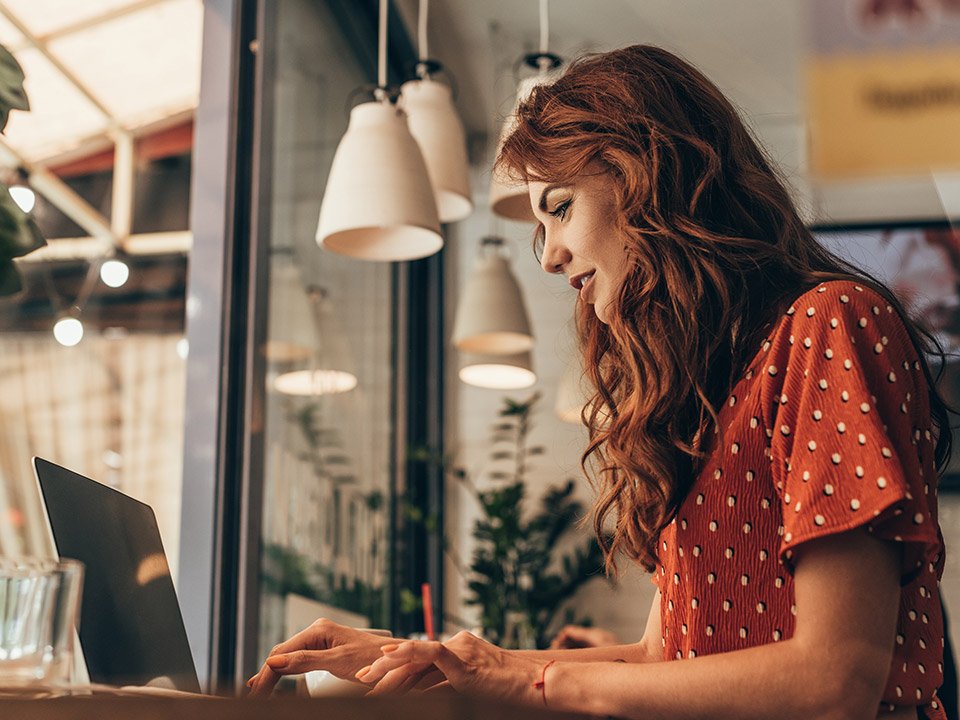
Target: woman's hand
324, 645
578, 636
467, 663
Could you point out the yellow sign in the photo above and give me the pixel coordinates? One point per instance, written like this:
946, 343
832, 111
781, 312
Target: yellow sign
883, 91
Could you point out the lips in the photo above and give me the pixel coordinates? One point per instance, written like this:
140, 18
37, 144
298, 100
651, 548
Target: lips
579, 281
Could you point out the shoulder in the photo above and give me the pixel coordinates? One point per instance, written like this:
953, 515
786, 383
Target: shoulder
842, 312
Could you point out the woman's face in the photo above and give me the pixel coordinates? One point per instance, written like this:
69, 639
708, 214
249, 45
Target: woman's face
580, 237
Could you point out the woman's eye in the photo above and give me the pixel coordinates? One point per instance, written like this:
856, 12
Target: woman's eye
561, 209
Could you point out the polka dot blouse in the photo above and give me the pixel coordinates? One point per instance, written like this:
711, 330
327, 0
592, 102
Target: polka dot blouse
828, 430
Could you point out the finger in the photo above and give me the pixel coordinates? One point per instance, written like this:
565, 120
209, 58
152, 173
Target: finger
395, 681
442, 688
430, 678
264, 682
298, 661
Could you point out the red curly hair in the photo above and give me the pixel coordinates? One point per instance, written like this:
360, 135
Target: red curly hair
717, 251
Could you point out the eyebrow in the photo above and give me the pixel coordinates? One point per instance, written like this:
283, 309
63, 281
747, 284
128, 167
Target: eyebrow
546, 191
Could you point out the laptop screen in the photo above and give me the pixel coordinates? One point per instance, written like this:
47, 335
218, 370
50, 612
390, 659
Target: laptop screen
131, 629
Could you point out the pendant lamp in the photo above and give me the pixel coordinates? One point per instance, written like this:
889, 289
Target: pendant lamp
327, 369
572, 393
378, 203
435, 125
508, 197
491, 315
498, 372
290, 323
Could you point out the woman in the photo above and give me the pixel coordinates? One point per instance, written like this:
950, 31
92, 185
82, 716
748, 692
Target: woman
765, 439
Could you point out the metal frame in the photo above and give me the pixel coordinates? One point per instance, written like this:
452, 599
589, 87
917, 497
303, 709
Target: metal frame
207, 511
223, 455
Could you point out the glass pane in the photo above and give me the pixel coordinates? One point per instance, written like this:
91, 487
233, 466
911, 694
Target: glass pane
330, 371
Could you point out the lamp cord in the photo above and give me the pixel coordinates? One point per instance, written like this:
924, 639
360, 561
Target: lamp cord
422, 30
544, 27
382, 46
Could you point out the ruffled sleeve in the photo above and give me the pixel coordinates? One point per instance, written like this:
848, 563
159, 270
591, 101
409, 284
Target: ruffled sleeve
847, 415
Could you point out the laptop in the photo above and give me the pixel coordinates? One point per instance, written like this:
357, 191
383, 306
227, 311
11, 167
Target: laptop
131, 629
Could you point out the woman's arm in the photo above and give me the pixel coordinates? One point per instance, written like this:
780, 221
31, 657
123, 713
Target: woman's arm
647, 649
834, 667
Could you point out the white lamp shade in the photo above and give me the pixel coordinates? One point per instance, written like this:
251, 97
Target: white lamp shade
314, 382
498, 372
379, 204
435, 125
492, 317
572, 393
326, 368
508, 198
290, 325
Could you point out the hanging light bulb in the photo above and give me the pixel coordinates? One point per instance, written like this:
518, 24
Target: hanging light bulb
326, 370
434, 123
508, 196
378, 203
114, 273
491, 316
20, 191
24, 197
498, 372
68, 331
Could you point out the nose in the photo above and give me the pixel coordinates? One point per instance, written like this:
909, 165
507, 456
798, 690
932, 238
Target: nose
555, 255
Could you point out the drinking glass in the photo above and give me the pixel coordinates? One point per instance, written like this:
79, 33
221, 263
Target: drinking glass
39, 607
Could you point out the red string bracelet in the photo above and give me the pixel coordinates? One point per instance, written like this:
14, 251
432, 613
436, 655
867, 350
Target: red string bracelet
541, 684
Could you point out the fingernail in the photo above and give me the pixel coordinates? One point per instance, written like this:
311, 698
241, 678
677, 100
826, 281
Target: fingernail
277, 661
361, 672
389, 648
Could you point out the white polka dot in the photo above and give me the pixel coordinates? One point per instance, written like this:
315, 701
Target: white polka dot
761, 607
735, 448
861, 438
854, 504
835, 458
844, 299
747, 527
819, 520
878, 348
881, 482
791, 310
712, 526
817, 415
862, 322
777, 635
749, 475
810, 312
828, 489
733, 400
823, 383
694, 602
884, 340
886, 452
828, 354
845, 396
812, 445
754, 423
785, 429
864, 407
772, 369
918, 518
700, 499
841, 427
859, 471
834, 322
892, 377
731, 501
876, 310
728, 553
807, 342
806, 475
847, 364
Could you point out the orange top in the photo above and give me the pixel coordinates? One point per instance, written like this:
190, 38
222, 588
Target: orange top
828, 430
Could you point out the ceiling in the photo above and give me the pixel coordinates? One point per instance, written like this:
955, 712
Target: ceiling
139, 61
751, 48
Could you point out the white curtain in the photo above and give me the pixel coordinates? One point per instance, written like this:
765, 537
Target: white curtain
110, 408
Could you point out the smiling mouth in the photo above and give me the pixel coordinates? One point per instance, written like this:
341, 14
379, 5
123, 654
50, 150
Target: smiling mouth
579, 281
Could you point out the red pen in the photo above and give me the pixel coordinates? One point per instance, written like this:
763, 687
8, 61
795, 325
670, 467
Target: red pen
427, 611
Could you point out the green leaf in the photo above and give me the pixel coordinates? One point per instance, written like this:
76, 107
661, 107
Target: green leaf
10, 283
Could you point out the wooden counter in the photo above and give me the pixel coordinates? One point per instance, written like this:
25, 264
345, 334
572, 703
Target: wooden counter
101, 707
